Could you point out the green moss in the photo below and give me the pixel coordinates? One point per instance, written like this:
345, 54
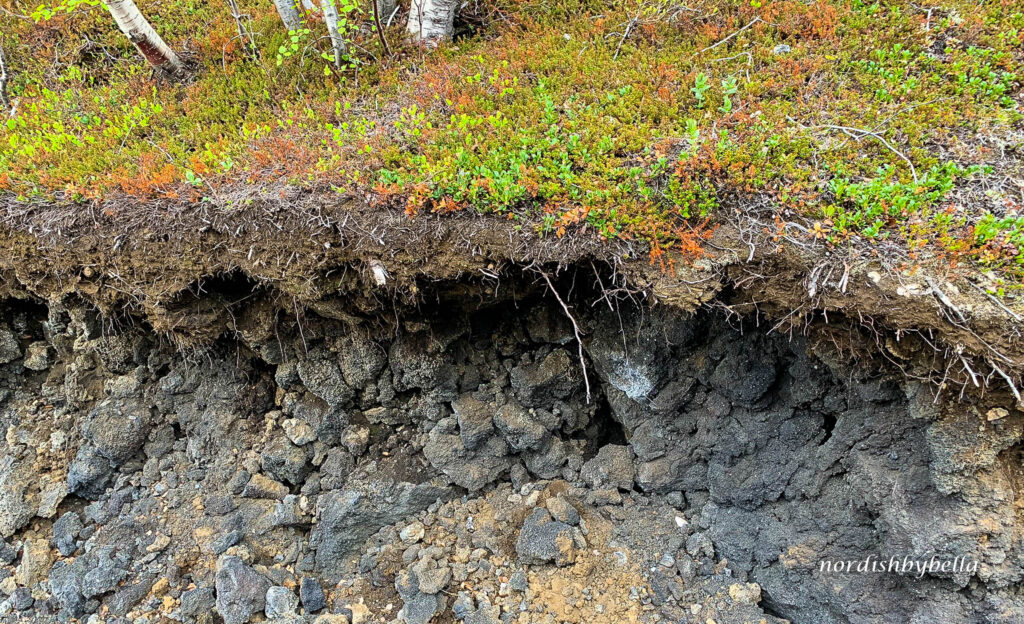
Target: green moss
549, 115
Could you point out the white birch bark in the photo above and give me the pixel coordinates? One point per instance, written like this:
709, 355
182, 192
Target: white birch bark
331, 19
384, 9
289, 14
432, 20
3, 82
137, 29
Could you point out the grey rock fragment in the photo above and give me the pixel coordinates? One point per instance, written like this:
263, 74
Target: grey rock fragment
700, 545
298, 431
433, 580
346, 518
260, 486
613, 466
118, 429
485, 614
519, 428
541, 383
281, 602
127, 597
284, 461
65, 532
311, 595
107, 568
66, 586
418, 607
10, 350
241, 591
561, 510
89, 474
15, 508
22, 599
476, 420
545, 540
197, 601
38, 356
36, 558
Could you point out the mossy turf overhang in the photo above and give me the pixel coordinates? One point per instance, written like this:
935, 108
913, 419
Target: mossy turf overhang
826, 149
894, 127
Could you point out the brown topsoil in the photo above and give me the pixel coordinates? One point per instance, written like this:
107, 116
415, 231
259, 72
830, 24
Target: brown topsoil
181, 268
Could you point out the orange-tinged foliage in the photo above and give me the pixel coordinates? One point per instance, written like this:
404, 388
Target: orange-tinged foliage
554, 117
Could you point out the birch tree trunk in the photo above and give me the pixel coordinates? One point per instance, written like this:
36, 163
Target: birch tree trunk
331, 19
137, 29
3, 83
384, 9
432, 20
289, 14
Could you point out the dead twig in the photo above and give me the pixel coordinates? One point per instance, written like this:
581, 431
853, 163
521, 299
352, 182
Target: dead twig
859, 133
244, 33
970, 371
625, 35
998, 303
715, 45
380, 28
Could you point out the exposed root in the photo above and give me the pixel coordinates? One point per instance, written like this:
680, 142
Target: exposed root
575, 326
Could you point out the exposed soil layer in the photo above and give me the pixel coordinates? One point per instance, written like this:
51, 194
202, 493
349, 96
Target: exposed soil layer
476, 441
183, 267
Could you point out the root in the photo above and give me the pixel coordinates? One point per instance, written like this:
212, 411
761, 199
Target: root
575, 326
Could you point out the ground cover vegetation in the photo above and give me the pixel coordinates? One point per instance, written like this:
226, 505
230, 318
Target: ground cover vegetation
885, 125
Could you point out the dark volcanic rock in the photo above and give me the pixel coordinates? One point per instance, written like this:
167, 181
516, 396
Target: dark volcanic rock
107, 568
470, 470
418, 607
21, 599
347, 518
544, 540
285, 461
66, 586
612, 466
118, 429
476, 420
720, 461
241, 591
281, 603
89, 474
10, 350
65, 531
15, 484
745, 380
311, 595
197, 601
542, 383
520, 429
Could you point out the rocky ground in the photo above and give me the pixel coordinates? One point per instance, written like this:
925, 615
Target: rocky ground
458, 463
